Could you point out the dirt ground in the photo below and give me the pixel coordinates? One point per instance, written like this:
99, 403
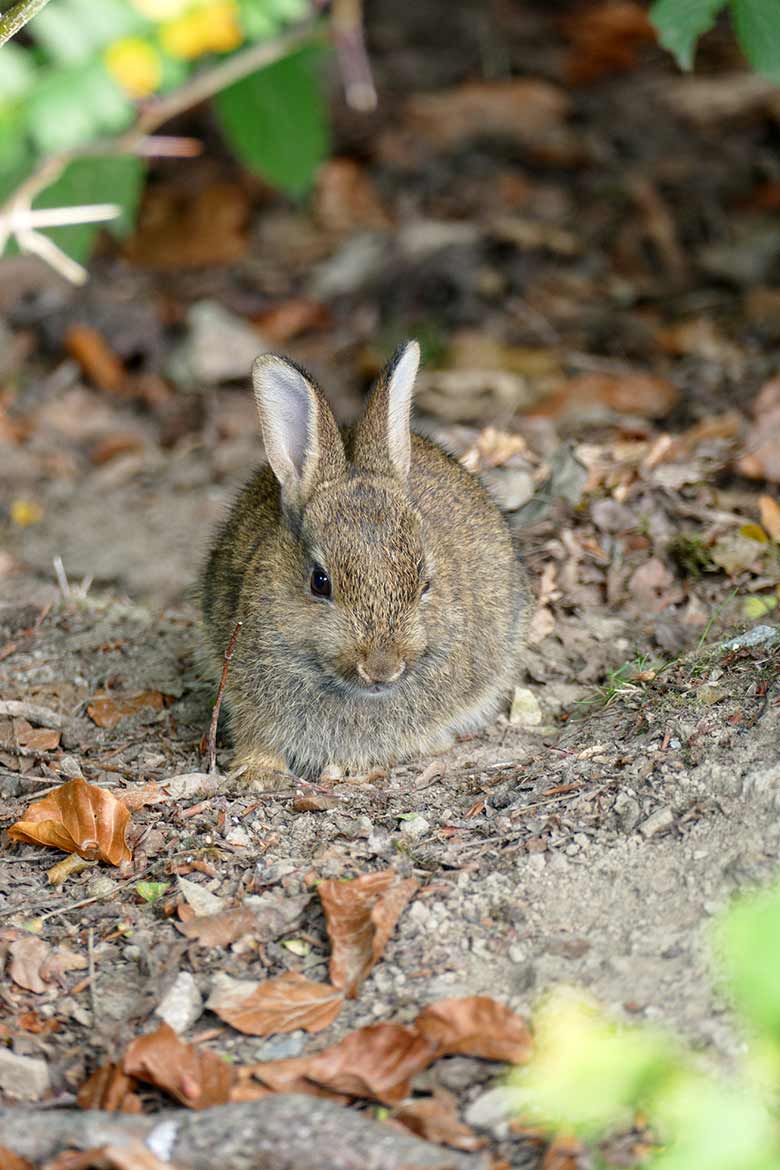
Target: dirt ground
592, 266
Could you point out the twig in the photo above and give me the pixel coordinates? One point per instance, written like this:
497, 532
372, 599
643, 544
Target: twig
359, 88
18, 16
92, 989
212, 767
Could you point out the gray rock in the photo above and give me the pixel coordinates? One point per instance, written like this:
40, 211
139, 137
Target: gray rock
23, 1078
219, 347
182, 1005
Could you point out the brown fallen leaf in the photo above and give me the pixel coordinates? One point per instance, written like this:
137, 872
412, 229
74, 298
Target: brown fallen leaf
179, 228
283, 1004
563, 1153
762, 442
97, 360
589, 395
523, 108
218, 930
107, 712
195, 1077
111, 1089
436, 1120
475, 1026
28, 955
150, 793
39, 739
360, 916
605, 39
346, 197
376, 1062
62, 870
61, 961
77, 818
111, 446
11, 1161
770, 516
291, 318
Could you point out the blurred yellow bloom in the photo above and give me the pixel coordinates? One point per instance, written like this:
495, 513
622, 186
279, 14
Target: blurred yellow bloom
26, 512
135, 64
161, 9
210, 28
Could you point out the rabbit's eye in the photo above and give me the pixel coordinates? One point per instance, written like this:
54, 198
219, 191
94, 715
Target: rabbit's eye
426, 587
319, 582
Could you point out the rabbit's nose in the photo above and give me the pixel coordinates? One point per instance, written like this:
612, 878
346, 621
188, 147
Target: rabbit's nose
378, 666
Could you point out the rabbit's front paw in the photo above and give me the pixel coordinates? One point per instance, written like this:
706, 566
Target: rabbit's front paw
259, 770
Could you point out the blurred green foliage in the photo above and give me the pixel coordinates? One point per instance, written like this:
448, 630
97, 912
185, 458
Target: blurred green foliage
756, 23
87, 65
591, 1078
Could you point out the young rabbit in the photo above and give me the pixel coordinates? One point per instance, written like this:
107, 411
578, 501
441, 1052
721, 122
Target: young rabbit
381, 598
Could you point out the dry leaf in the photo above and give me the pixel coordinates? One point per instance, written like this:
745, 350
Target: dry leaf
475, 1026
522, 108
111, 1089
107, 712
291, 318
762, 442
770, 516
181, 229
38, 739
66, 868
11, 1161
77, 818
96, 358
62, 960
283, 1004
589, 395
563, 1153
195, 1077
436, 1120
605, 39
360, 916
218, 930
150, 793
346, 197
28, 955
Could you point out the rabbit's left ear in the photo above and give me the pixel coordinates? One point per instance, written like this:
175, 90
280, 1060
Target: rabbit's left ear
382, 441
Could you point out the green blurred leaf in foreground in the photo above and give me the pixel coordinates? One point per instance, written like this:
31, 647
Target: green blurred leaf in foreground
680, 23
757, 25
275, 120
114, 179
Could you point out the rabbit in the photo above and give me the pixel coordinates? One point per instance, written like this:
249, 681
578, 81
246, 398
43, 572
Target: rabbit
382, 600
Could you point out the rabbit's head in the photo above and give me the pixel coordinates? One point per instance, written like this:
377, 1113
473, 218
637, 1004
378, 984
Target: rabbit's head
351, 589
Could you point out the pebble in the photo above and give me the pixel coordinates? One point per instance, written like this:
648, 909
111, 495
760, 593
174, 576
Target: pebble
219, 347
525, 710
657, 822
282, 1047
492, 1110
415, 826
23, 1078
182, 1005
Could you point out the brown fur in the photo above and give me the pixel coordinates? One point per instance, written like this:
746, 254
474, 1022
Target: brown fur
294, 690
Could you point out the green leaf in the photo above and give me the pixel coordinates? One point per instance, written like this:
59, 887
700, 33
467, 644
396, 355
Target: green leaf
748, 941
757, 25
71, 31
152, 891
115, 179
71, 106
17, 72
275, 121
680, 23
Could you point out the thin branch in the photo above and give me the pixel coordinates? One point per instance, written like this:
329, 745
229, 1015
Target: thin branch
212, 741
18, 16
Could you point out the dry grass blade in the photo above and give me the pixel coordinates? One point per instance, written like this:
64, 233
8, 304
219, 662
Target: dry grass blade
78, 818
283, 1004
360, 916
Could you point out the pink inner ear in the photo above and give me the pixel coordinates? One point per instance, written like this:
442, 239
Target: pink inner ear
287, 416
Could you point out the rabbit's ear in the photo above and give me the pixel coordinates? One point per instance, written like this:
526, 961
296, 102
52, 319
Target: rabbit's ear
300, 434
382, 438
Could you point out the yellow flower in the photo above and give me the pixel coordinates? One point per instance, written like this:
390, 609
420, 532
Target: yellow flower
211, 28
26, 512
135, 64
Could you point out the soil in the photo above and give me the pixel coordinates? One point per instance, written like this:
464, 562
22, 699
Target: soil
591, 836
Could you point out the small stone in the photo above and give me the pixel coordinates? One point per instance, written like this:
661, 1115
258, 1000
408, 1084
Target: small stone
101, 886
220, 347
415, 826
525, 709
199, 898
708, 695
657, 822
182, 1005
23, 1078
238, 837
517, 954
755, 637
492, 1110
282, 1047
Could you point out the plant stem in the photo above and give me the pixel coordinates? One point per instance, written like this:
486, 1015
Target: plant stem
18, 16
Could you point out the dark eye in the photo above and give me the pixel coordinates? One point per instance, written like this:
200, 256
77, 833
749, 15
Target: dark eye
319, 582
426, 587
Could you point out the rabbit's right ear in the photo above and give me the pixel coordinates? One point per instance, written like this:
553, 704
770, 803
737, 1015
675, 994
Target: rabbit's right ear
300, 434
